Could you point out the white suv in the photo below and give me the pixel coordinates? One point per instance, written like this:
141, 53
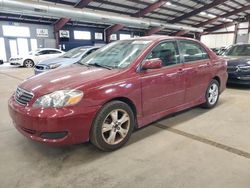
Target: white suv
33, 57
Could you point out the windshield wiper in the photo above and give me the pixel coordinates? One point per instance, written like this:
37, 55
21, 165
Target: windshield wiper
80, 63
99, 65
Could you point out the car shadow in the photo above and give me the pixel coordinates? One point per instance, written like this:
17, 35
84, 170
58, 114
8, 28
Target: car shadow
237, 86
8, 66
85, 153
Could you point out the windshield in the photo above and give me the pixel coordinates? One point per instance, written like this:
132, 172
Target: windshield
118, 54
74, 53
239, 50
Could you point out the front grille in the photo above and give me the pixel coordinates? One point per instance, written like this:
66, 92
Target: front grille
231, 69
22, 96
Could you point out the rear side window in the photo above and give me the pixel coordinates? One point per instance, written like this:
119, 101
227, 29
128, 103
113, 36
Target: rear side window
43, 52
54, 52
193, 51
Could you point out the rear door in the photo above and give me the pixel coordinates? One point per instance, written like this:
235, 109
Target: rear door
197, 65
164, 88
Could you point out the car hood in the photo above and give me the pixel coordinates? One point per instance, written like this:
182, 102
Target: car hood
21, 56
236, 60
59, 61
72, 77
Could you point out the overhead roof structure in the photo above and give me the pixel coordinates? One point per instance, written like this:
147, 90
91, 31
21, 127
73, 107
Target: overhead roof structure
209, 14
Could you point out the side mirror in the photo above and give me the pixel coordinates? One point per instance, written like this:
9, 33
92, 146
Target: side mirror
37, 54
152, 64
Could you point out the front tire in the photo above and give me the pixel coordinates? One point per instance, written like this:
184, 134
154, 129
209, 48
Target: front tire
212, 94
28, 63
112, 126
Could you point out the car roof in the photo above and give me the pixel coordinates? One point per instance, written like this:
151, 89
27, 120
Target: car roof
48, 49
87, 47
241, 44
156, 38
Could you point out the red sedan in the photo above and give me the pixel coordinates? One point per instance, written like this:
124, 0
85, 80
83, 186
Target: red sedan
124, 85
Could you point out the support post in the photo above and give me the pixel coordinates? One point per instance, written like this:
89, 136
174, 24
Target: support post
112, 29
152, 31
236, 32
58, 26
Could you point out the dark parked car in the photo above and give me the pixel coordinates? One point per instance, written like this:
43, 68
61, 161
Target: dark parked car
215, 50
222, 50
219, 51
238, 57
1, 62
122, 86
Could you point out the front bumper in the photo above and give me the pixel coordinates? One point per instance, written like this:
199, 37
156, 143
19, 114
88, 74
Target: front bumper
239, 81
239, 78
16, 62
62, 126
39, 71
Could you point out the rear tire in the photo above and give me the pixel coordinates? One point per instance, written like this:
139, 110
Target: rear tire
112, 126
28, 63
212, 94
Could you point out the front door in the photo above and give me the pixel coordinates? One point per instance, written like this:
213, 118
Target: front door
164, 88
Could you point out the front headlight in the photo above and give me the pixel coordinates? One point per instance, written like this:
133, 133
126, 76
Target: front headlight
16, 59
59, 99
53, 66
245, 68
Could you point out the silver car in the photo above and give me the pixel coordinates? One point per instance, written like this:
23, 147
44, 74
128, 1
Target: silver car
70, 57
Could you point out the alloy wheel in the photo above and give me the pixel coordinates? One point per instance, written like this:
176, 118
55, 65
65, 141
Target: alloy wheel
115, 126
213, 94
28, 63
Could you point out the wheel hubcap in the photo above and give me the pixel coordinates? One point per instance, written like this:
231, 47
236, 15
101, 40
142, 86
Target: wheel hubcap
29, 63
213, 94
115, 126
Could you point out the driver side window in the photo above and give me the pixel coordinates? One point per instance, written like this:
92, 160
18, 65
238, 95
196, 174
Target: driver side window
167, 51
